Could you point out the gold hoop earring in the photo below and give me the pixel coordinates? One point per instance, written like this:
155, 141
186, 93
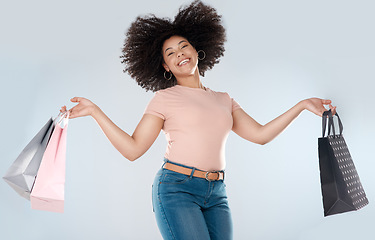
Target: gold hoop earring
204, 55
170, 75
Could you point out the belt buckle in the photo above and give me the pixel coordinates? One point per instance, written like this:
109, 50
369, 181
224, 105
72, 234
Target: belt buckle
218, 176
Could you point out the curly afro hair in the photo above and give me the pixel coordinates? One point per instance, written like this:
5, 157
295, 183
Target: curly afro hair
142, 52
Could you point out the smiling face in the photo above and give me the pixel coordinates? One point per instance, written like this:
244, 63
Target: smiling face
180, 57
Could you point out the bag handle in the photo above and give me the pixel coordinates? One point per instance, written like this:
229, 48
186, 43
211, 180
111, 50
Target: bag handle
326, 114
341, 127
63, 116
330, 123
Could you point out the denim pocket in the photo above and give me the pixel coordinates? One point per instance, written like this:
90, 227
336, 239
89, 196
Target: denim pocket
170, 177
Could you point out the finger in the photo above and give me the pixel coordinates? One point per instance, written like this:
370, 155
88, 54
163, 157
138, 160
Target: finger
71, 116
72, 113
333, 109
63, 109
322, 111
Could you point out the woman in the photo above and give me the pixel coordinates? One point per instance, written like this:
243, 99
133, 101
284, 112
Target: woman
168, 57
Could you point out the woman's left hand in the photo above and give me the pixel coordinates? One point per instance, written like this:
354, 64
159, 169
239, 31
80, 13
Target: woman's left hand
316, 105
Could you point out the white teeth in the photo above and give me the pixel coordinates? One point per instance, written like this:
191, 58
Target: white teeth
184, 61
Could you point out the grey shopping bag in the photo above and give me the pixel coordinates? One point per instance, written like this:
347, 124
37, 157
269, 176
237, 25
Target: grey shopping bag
21, 174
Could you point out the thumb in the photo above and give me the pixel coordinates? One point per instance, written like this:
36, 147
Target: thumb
75, 99
326, 101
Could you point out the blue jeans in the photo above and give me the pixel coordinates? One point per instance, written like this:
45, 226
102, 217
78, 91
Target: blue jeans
188, 207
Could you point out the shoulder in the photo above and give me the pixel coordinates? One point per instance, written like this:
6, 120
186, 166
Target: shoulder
164, 92
167, 91
220, 93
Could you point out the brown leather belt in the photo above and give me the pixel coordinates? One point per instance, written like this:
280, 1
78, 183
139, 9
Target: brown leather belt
209, 176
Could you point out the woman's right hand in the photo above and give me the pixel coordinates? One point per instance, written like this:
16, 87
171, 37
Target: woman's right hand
130, 146
84, 108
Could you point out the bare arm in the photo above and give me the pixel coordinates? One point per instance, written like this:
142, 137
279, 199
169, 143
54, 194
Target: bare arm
131, 147
247, 128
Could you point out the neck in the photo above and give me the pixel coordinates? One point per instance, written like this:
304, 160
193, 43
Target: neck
192, 81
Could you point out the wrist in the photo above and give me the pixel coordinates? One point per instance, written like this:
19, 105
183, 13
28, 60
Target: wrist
302, 105
95, 111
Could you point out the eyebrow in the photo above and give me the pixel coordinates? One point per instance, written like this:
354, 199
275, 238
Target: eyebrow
178, 44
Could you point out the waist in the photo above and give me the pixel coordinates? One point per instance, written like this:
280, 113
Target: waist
191, 171
204, 161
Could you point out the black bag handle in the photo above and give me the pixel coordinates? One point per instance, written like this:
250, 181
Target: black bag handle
330, 123
341, 127
326, 114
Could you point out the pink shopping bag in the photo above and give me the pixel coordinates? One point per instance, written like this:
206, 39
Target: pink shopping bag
48, 191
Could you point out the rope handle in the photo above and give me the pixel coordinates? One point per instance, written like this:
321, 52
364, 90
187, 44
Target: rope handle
62, 117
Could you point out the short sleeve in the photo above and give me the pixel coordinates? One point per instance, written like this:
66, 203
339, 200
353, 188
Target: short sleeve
235, 105
156, 106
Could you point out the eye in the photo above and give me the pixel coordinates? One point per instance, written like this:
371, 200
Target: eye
184, 46
170, 54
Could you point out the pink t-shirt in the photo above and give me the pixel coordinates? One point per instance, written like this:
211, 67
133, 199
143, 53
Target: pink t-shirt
196, 124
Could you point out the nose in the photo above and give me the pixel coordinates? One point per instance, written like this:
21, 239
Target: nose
180, 53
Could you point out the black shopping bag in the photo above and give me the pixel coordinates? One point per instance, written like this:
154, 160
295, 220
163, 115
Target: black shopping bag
342, 190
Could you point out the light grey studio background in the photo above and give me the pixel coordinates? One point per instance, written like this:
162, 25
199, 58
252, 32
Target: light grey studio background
278, 53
